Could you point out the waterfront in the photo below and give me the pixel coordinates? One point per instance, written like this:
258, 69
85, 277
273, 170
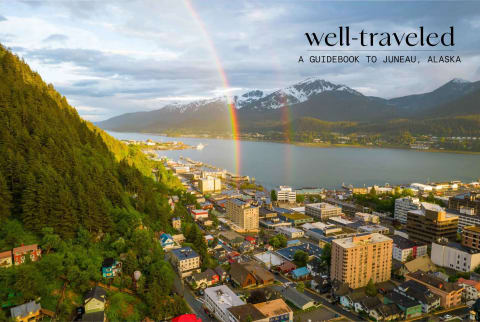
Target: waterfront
274, 164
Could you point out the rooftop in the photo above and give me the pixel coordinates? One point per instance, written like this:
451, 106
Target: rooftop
184, 253
361, 240
273, 308
223, 296
24, 310
434, 281
322, 205
311, 249
404, 243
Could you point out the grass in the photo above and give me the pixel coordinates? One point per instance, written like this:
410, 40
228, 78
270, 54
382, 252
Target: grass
124, 307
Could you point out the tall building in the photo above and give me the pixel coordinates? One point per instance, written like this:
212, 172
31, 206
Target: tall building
357, 259
210, 184
431, 222
468, 202
322, 210
286, 194
243, 214
403, 206
471, 237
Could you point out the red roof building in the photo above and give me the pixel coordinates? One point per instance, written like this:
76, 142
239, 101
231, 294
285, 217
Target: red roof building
186, 318
251, 240
19, 253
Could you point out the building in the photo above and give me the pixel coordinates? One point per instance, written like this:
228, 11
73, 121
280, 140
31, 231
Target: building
471, 289
403, 206
219, 299
286, 194
6, 259
430, 223
405, 249
290, 232
454, 256
232, 238
322, 210
300, 300
243, 214
275, 310
409, 307
300, 273
210, 184
466, 217
250, 274
167, 241
419, 293
198, 214
450, 293
311, 249
177, 223
294, 218
373, 229
204, 279
367, 218
94, 304
111, 267
27, 312
470, 237
186, 261
356, 260
466, 201
20, 253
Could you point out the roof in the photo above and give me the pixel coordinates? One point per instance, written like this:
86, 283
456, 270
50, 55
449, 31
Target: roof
387, 310
404, 243
97, 292
108, 262
27, 248
435, 281
219, 270
186, 318
223, 296
302, 271
401, 300
273, 308
473, 283
246, 312
298, 299
24, 309
371, 302
423, 263
355, 241
184, 253
6, 254
207, 274
418, 291
311, 249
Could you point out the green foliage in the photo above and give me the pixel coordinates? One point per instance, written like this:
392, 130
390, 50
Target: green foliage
370, 289
326, 257
278, 241
300, 198
300, 287
381, 202
300, 258
273, 195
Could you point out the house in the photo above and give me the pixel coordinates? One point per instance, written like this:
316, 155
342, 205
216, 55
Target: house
246, 247
167, 241
111, 267
471, 289
298, 299
246, 313
186, 261
409, 307
300, 273
386, 312
419, 293
232, 238
423, 263
94, 304
286, 267
222, 274
450, 293
352, 298
6, 259
199, 213
250, 274
27, 312
368, 304
204, 279
275, 310
251, 240
405, 249
19, 253
321, 284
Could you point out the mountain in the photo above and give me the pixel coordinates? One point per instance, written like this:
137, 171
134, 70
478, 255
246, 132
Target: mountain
467, 104
449, 92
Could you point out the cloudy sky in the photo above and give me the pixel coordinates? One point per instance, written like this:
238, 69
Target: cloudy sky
112, 57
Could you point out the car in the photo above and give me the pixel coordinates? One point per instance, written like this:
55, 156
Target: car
447, 317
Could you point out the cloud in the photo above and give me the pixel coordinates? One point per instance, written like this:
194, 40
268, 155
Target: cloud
2, 18
56, 38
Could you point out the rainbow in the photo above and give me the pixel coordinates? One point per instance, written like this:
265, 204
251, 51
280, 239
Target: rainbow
223, 77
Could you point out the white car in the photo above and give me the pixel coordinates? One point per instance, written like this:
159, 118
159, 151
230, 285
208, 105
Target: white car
447, 317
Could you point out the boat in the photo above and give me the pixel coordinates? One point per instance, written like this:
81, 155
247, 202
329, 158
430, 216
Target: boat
200, 146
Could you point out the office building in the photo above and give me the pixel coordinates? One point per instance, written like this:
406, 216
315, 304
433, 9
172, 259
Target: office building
322, 210
210, 184
219, 299
454, 256
357, 259
286, 194
471, 237
243, 214
431, 222
403, 206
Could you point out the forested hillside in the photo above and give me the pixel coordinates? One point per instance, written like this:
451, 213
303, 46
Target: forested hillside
78, 193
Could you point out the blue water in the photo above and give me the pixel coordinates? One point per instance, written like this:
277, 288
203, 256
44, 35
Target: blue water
274, 164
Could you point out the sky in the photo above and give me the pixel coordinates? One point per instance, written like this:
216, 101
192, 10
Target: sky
113, 57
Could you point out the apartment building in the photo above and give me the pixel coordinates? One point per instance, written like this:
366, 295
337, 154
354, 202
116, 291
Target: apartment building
465, 201
219, 299
403, 206
186, 261
210, 184
454, 256
322, 210
431, 222
357, 259
286, 194
450, 293
405, 249
243, 214
471, 237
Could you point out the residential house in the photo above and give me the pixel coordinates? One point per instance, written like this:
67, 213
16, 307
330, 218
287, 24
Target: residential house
471, 289
450, 293
423, 264
111, 267
300, 273
275, 310
295, 297
205, 279
286, 267
6, 259
179, 238
232, 238
250, 274
199, 213
405, 249
94, 304
167, 241
387, 312
247, 313
186, 261
246, 247
27, 312
409, 307
20, 253
419, 293
367, 304
222, 274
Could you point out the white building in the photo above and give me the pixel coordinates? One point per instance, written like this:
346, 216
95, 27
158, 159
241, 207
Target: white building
455, 256
322, 210
421, 187
290, 232
404, 249
368, 218
471, 289
286, 194
403, 206
219, 299
210, 184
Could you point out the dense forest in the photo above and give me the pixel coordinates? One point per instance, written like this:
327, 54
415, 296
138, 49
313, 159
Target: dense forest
82, 196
